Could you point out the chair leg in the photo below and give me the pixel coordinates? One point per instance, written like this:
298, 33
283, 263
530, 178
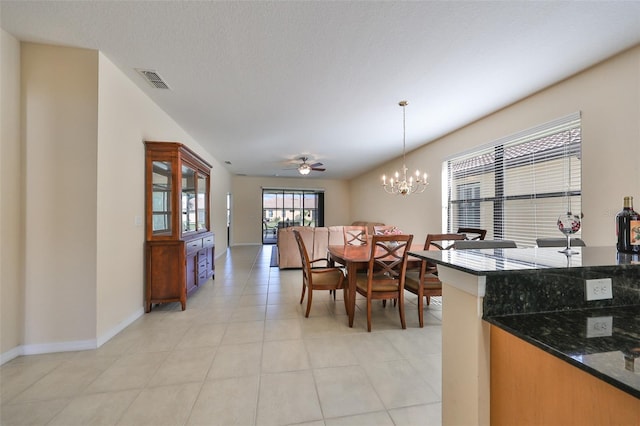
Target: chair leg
401, 309
309, 297
368, 314
304, 287
384, 303
344, 295
421, 309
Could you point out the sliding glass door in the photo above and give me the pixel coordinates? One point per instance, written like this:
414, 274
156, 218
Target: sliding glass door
282, 208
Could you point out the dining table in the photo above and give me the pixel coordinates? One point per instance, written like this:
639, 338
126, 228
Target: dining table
354, 258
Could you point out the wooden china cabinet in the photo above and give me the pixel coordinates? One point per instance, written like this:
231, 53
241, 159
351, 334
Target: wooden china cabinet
179, 249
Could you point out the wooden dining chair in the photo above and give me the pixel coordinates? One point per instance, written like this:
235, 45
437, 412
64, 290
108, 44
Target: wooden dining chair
424, 281
473, 233
385, 274
355, 235
321, 278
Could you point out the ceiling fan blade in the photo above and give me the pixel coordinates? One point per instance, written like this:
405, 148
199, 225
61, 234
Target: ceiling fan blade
315, 165
318, 169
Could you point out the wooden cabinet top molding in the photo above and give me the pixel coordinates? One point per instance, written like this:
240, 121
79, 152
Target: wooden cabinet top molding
175, 148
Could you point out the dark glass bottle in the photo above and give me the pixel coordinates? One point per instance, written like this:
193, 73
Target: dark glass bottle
628, 228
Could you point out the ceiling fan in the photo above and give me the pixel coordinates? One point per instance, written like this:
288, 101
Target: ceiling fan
305, 168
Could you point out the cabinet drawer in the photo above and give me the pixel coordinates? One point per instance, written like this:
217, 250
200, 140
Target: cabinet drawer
207, 241
194, 245
203, 264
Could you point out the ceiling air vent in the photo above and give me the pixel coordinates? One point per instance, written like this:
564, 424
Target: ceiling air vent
153, 78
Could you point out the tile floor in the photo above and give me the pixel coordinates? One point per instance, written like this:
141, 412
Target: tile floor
241, 354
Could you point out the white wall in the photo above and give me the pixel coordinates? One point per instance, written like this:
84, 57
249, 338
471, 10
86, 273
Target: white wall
246, 220
11, 200
608, 96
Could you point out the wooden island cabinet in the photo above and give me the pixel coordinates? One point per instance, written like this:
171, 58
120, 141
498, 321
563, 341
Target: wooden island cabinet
522, 344
179, 247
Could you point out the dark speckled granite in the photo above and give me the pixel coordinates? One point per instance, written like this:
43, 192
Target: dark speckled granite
604, 342
538, 295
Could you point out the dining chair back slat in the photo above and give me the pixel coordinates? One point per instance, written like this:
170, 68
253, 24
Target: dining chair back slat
442, 241
355, 235
473, 233
385, 230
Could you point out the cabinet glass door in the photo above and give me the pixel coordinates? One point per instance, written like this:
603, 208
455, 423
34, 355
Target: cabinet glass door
201, 202
161, 198
188, 199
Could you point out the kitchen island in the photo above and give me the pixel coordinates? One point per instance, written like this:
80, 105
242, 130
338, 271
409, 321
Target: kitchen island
497, 299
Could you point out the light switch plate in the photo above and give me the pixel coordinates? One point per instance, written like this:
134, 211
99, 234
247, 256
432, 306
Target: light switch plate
599, 326
598, 289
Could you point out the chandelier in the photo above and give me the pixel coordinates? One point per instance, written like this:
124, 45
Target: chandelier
405, 186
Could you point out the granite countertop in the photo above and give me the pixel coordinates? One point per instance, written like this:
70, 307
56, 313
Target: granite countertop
604, 342
523, 260
538, 295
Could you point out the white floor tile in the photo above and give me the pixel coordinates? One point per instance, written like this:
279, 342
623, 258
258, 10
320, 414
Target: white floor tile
242, 353
288, 398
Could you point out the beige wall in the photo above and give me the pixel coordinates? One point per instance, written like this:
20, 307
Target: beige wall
60, 122
246, 219
77, 279
608, 96
127, 117
11, 200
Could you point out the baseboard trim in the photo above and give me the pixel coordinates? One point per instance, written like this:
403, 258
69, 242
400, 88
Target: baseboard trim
46, 348
119, 327
10, 354
78, 345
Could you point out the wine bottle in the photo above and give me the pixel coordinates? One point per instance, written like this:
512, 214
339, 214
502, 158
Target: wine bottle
628, 228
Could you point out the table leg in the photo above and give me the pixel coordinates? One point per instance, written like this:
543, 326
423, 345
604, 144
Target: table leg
351, 282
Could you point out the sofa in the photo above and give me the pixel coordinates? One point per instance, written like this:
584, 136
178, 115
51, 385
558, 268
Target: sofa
316, 240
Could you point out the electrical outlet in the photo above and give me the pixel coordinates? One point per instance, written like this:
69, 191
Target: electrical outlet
598, 289
599, 326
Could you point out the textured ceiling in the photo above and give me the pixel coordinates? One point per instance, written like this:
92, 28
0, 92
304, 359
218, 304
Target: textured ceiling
260, 82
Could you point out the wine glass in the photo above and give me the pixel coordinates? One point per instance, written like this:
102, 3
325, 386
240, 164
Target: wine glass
568, 224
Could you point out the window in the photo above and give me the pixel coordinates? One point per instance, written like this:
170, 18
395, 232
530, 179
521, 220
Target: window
517, 187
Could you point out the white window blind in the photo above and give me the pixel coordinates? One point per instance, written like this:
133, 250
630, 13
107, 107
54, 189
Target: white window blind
516, 187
